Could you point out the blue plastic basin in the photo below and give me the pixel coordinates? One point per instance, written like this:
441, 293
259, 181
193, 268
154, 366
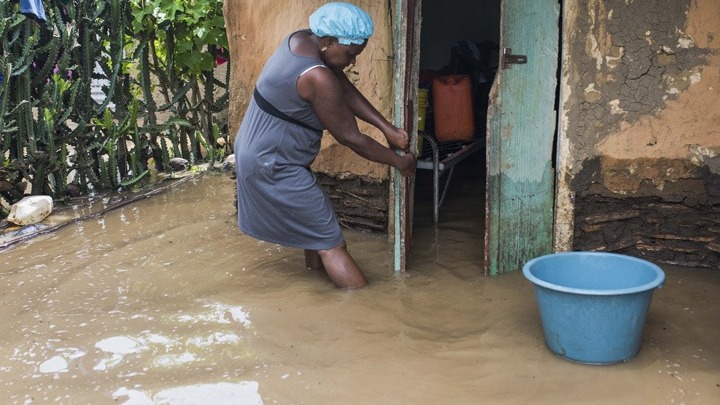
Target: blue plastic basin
593, 305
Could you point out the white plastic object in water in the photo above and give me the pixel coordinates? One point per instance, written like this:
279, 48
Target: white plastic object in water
30, 210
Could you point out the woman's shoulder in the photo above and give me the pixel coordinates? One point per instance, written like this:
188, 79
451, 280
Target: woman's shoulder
300, 43
299, 37
303, 33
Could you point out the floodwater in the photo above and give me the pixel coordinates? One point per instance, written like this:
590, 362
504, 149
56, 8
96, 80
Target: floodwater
164, 301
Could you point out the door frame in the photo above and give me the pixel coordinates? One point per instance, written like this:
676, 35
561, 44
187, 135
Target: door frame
406, 33
406, 70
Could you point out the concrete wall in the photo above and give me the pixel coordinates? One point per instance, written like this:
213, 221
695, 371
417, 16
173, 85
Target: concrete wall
639, 144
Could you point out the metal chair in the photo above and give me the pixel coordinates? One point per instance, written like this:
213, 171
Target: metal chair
443, 157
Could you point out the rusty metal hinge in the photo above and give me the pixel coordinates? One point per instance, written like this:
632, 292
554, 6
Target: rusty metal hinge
508, 58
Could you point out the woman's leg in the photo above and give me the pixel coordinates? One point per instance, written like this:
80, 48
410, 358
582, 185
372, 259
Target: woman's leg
341, 267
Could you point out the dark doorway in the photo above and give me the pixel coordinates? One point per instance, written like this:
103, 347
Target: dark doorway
458, 38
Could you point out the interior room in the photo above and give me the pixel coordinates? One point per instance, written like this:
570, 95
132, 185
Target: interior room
458, 60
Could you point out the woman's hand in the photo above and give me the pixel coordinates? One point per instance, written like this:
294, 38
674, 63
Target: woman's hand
407, 165
398, 138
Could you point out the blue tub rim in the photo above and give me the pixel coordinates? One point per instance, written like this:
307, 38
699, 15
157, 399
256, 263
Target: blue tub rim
657, 282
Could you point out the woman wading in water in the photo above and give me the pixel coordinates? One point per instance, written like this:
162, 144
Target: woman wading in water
302, 90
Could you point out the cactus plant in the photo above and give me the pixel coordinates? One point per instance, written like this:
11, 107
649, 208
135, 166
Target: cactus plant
54, 132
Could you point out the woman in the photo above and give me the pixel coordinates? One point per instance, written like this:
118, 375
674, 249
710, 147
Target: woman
301, 90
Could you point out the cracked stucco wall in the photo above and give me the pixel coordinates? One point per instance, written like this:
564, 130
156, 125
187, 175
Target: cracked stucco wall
640, 121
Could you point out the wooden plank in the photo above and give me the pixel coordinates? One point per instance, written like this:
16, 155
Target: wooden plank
406, 70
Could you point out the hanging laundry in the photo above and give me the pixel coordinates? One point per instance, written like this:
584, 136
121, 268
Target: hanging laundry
33, 9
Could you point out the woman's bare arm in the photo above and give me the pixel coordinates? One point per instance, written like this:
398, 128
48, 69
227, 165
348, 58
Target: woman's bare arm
363, 109
329, 99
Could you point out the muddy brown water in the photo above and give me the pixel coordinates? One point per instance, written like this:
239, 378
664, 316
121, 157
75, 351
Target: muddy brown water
165, 301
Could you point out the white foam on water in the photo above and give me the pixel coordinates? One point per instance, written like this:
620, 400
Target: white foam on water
169, 360
164, 351
60, 363
241, 393
219, 313
215, 338
119, 345
56, 364
160, 339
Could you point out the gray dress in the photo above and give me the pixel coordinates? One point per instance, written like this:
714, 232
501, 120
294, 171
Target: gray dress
279, 198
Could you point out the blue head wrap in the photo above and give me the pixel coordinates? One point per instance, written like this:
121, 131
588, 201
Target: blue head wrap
344, 21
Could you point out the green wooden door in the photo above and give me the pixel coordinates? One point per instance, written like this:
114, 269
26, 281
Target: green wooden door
522, 121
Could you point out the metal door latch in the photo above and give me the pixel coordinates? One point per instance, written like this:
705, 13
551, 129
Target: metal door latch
509, 58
